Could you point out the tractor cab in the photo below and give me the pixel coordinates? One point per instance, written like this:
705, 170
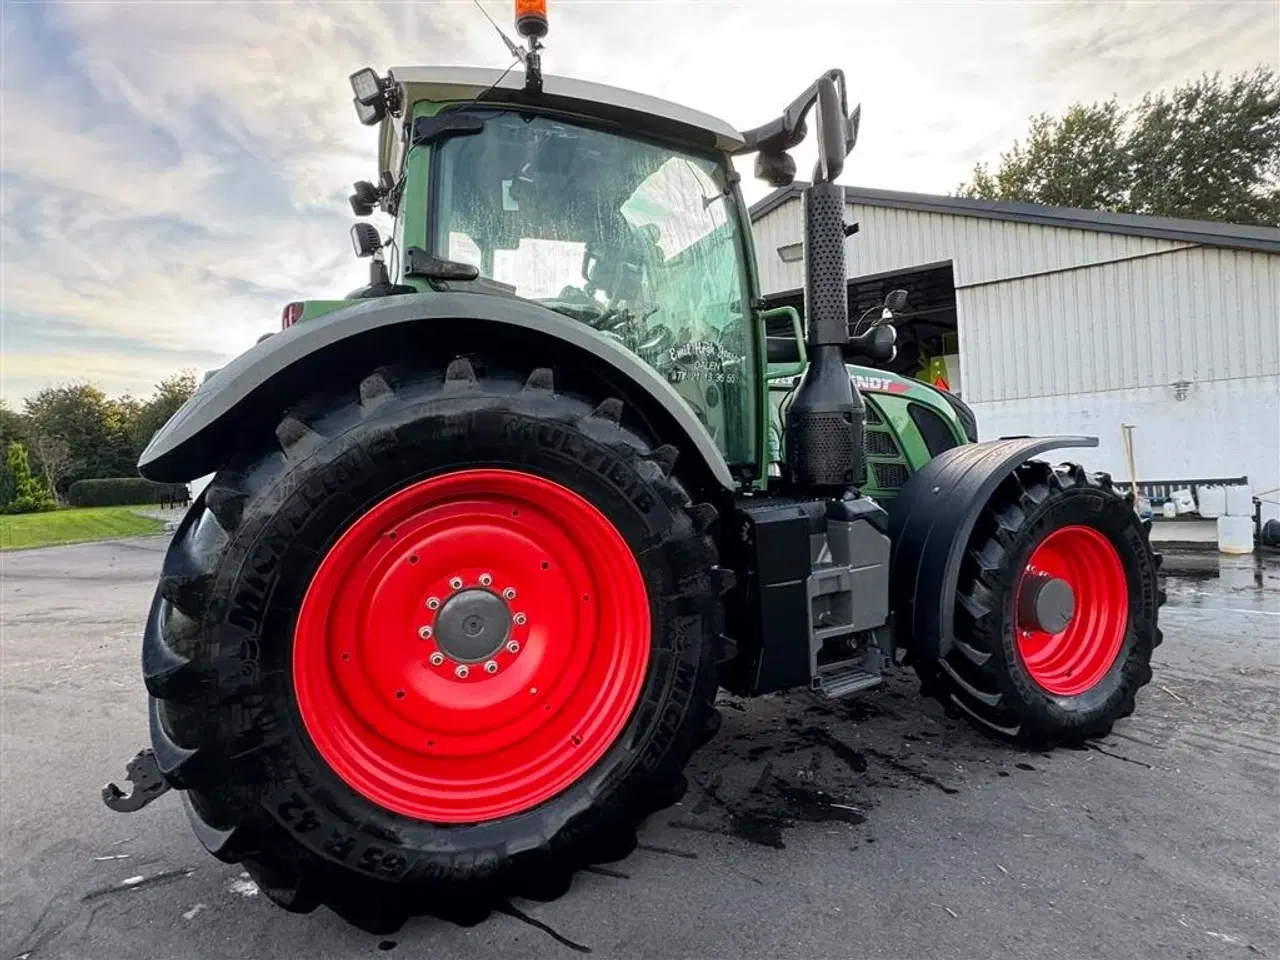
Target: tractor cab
617, 210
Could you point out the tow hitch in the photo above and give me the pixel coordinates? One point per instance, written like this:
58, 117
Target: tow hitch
148, 784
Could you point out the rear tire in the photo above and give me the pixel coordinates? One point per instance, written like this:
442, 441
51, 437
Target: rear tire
1032, 686
225, 643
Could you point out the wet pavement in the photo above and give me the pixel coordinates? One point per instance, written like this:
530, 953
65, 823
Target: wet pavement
871, 828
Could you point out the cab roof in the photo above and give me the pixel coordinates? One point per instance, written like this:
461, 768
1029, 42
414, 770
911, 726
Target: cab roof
635, 111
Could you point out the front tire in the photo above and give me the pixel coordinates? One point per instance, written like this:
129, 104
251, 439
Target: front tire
1056, 611
355, 740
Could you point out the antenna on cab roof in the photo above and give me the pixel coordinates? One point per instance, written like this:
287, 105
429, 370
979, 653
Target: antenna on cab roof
511, 44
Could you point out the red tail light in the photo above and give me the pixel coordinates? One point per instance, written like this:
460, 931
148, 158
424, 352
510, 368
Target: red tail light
292, 314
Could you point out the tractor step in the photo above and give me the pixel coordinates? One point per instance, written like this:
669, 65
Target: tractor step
844, 682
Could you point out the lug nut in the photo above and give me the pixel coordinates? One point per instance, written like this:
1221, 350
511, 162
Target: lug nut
462, 671
491, 666
433, 603
509, 593
456, 583
437, 659
520, 619
513, 646
485, 579
424, 633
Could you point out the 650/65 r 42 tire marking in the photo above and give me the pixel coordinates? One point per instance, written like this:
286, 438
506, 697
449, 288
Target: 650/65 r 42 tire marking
471, 646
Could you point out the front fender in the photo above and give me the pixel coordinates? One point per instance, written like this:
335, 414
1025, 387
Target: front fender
194, 441
930, 522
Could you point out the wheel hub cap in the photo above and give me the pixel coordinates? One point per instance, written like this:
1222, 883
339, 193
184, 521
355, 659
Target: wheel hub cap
472, 626
1046, 603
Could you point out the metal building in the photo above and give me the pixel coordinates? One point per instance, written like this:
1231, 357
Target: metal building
1054, 320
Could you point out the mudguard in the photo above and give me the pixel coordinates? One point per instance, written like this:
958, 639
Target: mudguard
190, 446
930, 522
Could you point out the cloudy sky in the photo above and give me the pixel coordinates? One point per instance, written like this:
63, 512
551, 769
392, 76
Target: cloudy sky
173, 172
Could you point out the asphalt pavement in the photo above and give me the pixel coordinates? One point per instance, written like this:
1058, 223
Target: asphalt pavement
871, 828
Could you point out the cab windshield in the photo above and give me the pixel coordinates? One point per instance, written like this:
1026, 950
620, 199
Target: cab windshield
641, 242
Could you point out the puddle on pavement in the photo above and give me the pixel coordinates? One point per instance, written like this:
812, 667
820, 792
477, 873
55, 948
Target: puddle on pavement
1204, 573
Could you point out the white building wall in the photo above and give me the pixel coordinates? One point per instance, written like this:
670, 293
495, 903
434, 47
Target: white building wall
1083, 351
1197, 314
1032, 322
1223, 428
779, 227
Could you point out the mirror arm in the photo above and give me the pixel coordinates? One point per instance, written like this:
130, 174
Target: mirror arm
788, 130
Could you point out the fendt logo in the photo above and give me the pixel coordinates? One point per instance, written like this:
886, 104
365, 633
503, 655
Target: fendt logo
880, 384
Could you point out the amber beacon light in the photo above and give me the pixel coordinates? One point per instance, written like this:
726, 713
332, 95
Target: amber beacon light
531, 18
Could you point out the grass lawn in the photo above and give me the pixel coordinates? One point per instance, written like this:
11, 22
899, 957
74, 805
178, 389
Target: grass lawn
73, 525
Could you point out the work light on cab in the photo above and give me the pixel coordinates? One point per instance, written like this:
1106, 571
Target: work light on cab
366, 86
375, 96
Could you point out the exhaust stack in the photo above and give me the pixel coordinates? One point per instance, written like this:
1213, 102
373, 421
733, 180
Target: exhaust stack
827, 418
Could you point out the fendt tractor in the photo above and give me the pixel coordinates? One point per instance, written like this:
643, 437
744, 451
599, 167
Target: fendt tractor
485, 540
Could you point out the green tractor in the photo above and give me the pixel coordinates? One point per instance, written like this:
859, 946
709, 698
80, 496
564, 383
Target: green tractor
485, 540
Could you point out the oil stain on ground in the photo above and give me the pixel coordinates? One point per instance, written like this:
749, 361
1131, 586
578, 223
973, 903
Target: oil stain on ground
790, 762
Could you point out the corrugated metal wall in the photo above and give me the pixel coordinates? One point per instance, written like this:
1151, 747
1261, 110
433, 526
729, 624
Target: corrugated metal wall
1045, 311
1197, 314
780, 227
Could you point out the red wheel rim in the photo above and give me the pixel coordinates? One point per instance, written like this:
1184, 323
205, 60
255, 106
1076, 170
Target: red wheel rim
1071, 661
410, 594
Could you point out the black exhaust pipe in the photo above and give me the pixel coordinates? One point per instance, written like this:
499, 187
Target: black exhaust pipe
827, 417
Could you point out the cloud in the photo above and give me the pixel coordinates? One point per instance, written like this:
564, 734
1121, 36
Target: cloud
172, 173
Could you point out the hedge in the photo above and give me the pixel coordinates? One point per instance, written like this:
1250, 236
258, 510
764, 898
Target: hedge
123, 491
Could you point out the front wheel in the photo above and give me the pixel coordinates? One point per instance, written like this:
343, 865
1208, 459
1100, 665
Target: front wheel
448, 643
1056, 611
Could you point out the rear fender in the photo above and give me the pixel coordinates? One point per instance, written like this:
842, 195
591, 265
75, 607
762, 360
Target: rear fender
930, 523
260, 383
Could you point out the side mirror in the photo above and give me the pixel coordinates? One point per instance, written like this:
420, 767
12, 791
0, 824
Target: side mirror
832, 132
855, 121
365, 239
880, 344
896, 300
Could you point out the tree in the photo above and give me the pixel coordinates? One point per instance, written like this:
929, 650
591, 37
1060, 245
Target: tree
1210, 149
1075, 161
30, 495
54, 455
13, 425
92, 426
76, 432
8, 486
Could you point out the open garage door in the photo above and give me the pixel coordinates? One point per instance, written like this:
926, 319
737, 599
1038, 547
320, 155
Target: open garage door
928, 339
